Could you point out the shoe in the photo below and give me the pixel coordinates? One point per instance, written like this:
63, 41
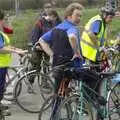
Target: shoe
3, 107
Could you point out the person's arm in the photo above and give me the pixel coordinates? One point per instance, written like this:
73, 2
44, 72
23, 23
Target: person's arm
73, 35
94, 30
74, 45
45, 47
73, 42
93, 38
45, 41
11, 49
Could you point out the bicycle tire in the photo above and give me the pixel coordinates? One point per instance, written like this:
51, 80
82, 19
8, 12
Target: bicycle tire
29, 102
44, 110
46, 86
116, 63
67, 104
12, 70
113, 104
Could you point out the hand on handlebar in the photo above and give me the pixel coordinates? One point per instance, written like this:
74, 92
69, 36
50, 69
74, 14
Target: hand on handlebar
21, 52
37, 46
77, 55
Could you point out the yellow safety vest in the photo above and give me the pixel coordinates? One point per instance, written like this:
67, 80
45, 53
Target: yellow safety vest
5, 58
89, 50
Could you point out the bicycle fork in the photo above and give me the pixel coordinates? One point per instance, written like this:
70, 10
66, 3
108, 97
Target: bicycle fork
56, 104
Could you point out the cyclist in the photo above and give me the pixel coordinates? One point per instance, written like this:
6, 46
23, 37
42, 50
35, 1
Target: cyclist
42, 26
63, 40
94, 39
94, 34
5, 52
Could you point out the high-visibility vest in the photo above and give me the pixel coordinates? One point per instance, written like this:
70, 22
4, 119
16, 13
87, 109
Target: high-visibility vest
5, 58
88, 48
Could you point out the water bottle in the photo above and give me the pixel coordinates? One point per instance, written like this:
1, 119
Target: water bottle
116, 79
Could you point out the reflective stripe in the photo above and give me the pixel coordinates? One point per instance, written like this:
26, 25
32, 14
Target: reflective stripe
89, 44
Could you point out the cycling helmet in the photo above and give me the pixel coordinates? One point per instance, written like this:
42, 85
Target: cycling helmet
108, 11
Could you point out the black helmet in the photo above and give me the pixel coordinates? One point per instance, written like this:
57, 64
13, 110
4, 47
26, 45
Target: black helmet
108, 11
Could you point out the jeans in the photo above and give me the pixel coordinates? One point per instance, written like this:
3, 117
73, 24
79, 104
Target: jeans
3, 72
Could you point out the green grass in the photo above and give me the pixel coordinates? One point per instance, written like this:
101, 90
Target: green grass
23, 24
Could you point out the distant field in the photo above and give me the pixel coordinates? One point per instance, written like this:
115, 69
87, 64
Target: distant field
23, 23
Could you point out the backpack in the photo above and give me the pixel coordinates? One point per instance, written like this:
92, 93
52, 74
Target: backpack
62, 49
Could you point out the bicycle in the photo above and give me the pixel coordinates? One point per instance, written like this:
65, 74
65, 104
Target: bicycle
13, 73
82, 105
113, 104
30, 102
50, 106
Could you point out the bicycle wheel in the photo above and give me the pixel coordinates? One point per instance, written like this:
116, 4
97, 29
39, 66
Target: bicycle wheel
69, 110
113, 104
46, 86
47, 108
116, 63
29, 102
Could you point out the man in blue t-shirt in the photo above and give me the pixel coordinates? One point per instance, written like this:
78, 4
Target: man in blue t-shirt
67, 48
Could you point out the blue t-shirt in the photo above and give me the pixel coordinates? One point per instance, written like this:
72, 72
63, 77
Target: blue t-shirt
65, 25
1, 42
95, 28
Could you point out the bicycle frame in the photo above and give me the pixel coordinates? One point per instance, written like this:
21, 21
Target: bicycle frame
18, 73
84, 94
